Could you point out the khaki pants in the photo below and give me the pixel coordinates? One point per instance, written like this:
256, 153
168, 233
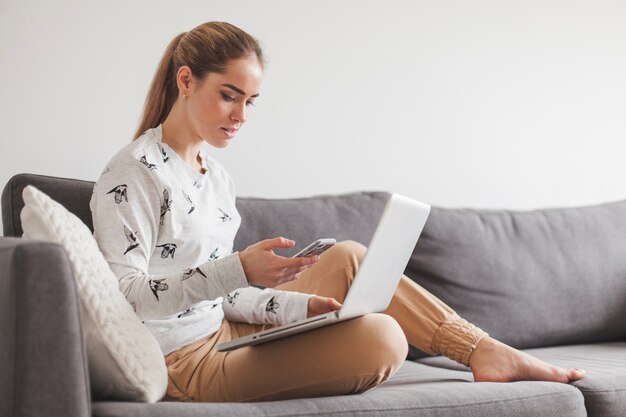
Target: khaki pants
349, 357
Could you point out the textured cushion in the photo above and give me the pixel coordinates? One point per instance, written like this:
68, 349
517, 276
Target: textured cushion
125, 361
530, 278
604, 384
415, 390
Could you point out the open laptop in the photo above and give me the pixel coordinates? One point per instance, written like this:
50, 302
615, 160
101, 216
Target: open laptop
376, 280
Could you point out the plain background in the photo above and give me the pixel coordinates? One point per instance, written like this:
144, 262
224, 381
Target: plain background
490, 104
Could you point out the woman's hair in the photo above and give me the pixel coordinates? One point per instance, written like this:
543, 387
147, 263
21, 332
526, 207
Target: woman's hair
207, 48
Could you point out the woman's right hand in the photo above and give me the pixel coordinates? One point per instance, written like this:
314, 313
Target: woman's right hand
263, 267
322, 305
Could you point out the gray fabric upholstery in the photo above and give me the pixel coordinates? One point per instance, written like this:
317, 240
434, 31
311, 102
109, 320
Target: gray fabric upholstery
343, 217
604, 386
529, 278
533, 278
73, 194
43, 368
416, 390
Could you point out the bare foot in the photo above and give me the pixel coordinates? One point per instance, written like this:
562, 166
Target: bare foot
493, 361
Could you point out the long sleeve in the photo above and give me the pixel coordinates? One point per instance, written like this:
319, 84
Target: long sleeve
267, 306
128, 207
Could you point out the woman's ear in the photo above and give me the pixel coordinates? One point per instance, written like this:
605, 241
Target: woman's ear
183, 80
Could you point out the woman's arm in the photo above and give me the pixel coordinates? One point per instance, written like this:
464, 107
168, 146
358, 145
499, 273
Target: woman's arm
265, 306
126, 207
254, 305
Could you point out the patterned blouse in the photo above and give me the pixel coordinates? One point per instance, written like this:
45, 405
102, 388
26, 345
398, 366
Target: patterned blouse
167, 232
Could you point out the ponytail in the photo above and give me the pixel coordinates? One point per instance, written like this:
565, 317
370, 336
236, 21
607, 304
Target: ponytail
162, 93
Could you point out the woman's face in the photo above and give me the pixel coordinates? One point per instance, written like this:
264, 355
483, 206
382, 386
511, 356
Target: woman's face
218, 106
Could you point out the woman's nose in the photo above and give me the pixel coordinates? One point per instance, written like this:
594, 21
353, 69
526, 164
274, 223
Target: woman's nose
239, 114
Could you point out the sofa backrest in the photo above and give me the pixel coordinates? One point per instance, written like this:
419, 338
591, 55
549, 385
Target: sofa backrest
529, 278
343, 217
351, 216
73, 194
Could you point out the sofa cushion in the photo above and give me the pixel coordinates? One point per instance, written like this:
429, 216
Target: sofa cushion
604, 384
351, 216
415, 390
530, 278
125, 361
73, 194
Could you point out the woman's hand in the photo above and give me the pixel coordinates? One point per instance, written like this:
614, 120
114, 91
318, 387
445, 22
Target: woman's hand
263, 267
322, 305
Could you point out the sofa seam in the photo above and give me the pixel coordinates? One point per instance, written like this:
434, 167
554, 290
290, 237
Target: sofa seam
592, 391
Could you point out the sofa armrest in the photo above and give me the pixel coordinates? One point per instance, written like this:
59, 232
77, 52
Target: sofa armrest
43, 366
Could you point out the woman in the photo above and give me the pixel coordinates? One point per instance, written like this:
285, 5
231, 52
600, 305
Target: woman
165, 218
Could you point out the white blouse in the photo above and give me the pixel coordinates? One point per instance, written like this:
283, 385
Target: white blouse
167, 232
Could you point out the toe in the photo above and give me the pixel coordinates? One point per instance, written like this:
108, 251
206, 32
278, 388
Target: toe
574, 374
560, 375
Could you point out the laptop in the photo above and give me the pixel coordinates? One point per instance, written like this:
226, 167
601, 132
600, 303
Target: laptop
376, 279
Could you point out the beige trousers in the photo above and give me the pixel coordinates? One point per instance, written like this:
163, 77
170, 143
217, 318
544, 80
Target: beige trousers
349, 357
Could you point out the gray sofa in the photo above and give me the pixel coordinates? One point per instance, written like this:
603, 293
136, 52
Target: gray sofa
552, 282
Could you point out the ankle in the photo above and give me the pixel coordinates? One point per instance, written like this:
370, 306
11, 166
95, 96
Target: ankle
457, 339
485, 348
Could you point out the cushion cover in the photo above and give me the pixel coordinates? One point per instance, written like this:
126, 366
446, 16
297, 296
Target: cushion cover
530, 278
125, 361
604, 384
352, 216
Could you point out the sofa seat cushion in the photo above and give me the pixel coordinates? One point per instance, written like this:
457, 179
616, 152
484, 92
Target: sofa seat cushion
415, 390
604, 386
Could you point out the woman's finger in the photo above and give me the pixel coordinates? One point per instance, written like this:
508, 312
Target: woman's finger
277, 242
290, 271
333, 304
298, 262
287, 279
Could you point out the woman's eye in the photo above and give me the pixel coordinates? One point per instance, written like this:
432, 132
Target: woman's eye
250, 103
227, 97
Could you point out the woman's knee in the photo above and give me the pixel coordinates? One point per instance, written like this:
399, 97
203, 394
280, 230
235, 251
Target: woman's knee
383, 345
349, 250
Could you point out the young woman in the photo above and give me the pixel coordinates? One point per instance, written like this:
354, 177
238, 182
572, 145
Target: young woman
165, 218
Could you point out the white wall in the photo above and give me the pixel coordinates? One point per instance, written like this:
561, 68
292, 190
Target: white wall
515, 104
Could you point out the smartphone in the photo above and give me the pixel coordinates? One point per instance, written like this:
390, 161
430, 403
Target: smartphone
316, 248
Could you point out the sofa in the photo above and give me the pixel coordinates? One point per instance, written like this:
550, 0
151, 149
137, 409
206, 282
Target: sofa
551, 282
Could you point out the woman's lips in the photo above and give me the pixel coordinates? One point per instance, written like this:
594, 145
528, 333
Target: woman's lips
229, 132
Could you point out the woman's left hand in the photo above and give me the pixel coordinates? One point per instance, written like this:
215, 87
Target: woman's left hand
322, 305
263, 267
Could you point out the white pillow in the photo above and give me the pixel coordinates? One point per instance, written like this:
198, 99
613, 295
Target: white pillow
125, 360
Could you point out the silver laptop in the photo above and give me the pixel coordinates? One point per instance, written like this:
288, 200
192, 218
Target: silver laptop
376, 279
